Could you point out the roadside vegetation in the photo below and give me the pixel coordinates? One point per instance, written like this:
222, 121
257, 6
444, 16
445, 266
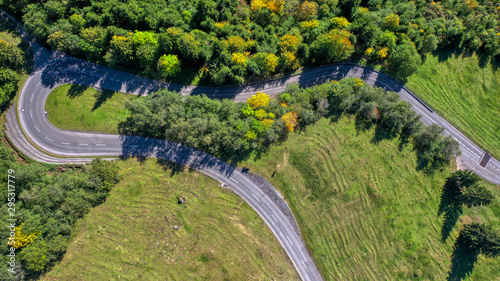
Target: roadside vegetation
15, 63
79, 108
46, 201
132, 237
233, 131
465, 90
241, 41
367, 212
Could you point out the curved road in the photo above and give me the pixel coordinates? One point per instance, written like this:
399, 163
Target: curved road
55, 68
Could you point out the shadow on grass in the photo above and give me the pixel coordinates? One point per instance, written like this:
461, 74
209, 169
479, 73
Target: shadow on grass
451, 208
102, 97
76, 91
463, 260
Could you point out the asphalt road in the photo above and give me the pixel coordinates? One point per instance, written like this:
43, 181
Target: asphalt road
54, 68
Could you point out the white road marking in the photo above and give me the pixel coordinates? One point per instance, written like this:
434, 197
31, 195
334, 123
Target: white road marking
36, 128
303, 255
256, 197
424, 114
83, 144
303, 264
65, 143
49, 139
32, 96
31, 114
100, 144
274, 218
234, 180
289, 240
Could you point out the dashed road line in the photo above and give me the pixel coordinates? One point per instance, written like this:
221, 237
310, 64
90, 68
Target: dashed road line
256, 197
65, 143
31, 114
100, 144
83, 144
303, 264
36, 128
289, 240
49, 139
32, 97
274, 218
234, 180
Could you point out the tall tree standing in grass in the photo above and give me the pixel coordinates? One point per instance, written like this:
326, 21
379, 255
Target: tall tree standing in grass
482, 238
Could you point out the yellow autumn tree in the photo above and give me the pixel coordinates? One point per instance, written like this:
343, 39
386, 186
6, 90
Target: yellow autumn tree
392, 21
308, 25
271, 63
22, 239
306, 10
267, 122
236, 44
272, 5
382, 53
290, 120
260, 114
259, 100
289, 61
240, 59
289, 43
339, 22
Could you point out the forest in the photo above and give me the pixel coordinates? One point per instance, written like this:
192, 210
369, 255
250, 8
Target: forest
234, 42
233, 131
46, 201
11, 66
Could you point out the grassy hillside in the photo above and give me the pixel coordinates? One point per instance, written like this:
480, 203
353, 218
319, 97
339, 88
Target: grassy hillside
464, 93
80, 108
131, 235
365, 211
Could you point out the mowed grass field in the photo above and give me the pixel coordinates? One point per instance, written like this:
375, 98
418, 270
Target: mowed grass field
80, 108
465, 94
131, 235
365, 212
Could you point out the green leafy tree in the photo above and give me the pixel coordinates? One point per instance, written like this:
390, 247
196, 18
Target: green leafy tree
433, 149
169, 65
35, 255
334, 46
405, 60
107, 171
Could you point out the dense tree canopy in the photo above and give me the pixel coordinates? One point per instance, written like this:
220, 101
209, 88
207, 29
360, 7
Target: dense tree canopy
47, 206
208, 33
228, 129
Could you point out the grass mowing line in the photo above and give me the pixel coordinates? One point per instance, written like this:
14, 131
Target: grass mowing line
131, 235
466, 94
384, 224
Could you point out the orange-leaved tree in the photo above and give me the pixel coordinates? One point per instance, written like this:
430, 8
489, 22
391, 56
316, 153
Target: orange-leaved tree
290, 120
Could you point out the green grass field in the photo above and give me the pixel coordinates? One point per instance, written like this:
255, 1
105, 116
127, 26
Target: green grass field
131, 235
80, 108
365, 211
465, 94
